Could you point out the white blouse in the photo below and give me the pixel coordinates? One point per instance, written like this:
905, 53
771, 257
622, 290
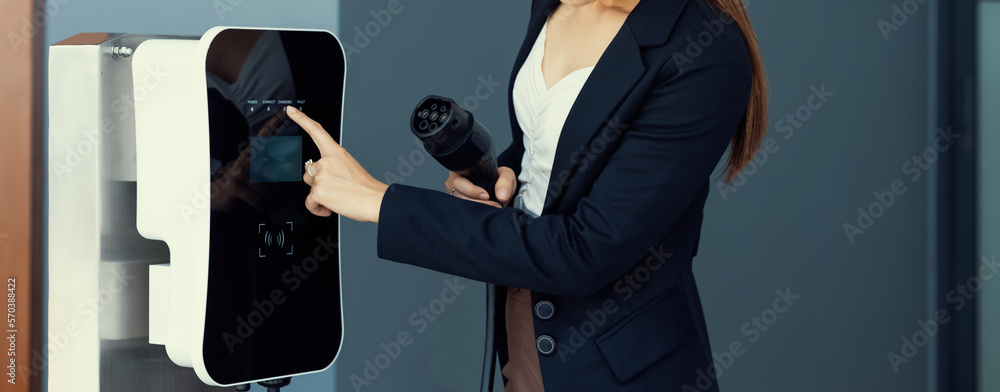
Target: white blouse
541, 113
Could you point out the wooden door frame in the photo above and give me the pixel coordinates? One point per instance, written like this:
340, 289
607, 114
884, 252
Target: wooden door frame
22, 180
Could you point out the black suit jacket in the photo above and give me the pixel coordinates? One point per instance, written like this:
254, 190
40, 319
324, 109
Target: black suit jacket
612, 250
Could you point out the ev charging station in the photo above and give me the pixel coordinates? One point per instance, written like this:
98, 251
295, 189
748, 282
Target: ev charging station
177, 235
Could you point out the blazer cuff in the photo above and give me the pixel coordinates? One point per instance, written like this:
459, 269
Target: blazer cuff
396, 216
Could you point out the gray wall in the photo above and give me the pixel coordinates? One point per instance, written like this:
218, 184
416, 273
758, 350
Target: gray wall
782, 228
66, 18
429, 47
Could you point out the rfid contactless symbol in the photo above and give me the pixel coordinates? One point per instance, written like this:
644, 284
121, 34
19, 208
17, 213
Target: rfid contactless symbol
209, 283
277, 239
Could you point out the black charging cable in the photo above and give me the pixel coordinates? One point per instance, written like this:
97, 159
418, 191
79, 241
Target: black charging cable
271, 385
489, 351
463, 145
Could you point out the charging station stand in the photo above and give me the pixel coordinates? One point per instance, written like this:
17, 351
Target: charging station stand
98, 286
100, 325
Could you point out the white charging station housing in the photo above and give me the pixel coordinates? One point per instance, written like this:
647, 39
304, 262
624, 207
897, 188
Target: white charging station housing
252, 291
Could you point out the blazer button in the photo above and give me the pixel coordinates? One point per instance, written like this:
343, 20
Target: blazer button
545, 310
545, 344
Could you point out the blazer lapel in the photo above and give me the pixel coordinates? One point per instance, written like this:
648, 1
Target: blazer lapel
619, 68
612, 79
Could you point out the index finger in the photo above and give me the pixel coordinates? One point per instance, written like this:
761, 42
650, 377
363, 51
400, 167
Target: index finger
323, 140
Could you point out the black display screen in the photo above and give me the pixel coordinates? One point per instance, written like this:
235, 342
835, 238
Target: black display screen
273, 281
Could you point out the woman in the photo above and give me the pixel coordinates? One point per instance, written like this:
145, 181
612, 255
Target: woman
620, 111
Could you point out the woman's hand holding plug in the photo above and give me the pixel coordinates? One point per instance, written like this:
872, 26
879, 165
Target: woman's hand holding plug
465, 189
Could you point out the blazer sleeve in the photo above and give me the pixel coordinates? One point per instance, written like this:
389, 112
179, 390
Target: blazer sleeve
666, 156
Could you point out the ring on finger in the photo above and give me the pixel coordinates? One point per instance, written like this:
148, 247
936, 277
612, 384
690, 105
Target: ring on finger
309, 168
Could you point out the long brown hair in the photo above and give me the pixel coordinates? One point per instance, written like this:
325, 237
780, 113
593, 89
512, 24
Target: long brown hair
749, 136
